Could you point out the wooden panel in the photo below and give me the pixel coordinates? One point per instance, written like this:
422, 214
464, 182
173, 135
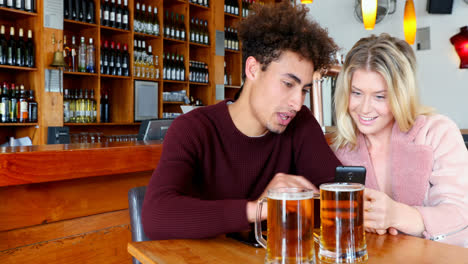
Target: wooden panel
104, 246
34, 204
44, 166
36, 234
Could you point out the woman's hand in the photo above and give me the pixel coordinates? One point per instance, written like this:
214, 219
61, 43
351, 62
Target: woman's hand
382, 215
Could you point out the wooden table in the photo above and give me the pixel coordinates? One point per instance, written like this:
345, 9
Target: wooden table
383, 249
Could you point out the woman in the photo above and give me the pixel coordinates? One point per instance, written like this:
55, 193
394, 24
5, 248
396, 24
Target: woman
417, 162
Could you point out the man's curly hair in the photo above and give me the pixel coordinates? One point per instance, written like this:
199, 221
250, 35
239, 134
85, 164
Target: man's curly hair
273, 29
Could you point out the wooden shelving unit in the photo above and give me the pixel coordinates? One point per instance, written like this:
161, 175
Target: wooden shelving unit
121, 88
30, 77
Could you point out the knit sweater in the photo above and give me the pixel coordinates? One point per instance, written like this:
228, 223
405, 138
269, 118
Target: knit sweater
429, 171
209, 170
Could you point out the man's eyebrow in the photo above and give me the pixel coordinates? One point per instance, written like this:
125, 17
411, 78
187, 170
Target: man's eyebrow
292, 76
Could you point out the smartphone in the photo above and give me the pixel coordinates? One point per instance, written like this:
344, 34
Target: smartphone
355, 174
246, 237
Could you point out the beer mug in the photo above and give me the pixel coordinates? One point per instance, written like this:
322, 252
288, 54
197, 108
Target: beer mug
342, 235
290, 225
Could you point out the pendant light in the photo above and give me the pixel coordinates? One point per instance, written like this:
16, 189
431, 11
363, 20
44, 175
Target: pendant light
306, 1
409, 22
369, 13
460, 43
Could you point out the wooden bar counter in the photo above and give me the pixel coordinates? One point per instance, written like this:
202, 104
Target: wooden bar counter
68, 203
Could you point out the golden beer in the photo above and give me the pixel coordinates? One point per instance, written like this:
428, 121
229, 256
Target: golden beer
342, 238
290, 226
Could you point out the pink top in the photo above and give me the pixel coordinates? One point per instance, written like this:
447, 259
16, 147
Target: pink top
429, 170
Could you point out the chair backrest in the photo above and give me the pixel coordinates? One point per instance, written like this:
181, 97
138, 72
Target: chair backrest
135, 204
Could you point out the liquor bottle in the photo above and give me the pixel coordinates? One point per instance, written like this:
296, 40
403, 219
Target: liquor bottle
106, 12
66, 10
86, 107
149, 67
167, 26
32, 108
79, 107
182, 68
13, 104
19, 4
105, 57
11, 59
155, 22
172, 26
111, 56
29, 53
182, 27
104, 108
118, 15
81, 6
207, 38
148, 21
90, 57
142, 59
118, 60
66, 106
22, 106
73, 56
29, 5
192, 30
5, 104
141, 19
20, 49
74, 11
125, 16
101, 64
93, 107
3, 46
90, 18
101, 16
125, 61
9, 3
2, 3
112, 12
136, 19
82, 56
66, 53
72, 106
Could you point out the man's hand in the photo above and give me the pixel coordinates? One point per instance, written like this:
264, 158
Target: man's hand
279, 181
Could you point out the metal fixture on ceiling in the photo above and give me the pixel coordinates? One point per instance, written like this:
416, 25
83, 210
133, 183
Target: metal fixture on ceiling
384, 8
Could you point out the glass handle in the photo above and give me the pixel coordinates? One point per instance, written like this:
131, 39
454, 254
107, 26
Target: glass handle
258, 223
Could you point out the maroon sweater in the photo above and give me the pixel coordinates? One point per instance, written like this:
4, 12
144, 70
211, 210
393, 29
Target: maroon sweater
209, 170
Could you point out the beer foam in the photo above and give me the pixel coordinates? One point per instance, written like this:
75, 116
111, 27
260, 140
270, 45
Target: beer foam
292, 196
342, 187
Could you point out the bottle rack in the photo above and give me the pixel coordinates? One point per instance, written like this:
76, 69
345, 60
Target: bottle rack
28, 76
121, 88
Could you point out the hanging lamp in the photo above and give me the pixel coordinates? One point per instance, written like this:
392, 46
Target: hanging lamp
460, 43
369, 13
306, 1
409, 22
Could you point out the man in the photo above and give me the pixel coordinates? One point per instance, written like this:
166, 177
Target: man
218, 160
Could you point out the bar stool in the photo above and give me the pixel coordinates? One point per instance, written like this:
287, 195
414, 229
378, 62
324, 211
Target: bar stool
135, 204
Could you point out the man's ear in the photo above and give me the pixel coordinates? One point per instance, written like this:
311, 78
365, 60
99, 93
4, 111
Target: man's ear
252, 67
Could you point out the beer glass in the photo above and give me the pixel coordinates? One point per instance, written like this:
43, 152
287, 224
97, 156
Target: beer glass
290, 225
342, 235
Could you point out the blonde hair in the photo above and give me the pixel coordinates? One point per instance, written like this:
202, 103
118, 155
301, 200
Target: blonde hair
395, 61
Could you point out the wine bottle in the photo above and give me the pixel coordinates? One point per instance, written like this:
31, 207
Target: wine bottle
11, 59
20, 49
